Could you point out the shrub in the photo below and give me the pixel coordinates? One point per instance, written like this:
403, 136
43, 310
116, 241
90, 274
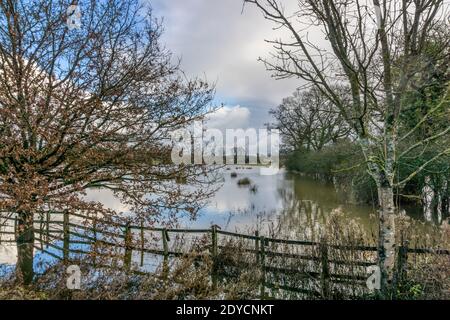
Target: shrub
244, 182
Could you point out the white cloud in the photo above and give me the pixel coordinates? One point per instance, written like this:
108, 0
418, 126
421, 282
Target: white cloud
229, 117
215, 39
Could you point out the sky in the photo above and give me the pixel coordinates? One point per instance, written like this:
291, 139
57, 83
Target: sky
219, 42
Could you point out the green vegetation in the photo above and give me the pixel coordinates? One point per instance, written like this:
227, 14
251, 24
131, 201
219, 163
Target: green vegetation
339, 163
245, 182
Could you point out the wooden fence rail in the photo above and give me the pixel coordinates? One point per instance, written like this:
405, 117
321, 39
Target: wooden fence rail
262, 250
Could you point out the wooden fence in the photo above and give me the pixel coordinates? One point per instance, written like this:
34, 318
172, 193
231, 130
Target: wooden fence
49, 232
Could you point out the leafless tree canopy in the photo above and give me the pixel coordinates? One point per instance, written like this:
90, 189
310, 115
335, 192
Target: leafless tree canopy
381, 50
91, 107
308, 120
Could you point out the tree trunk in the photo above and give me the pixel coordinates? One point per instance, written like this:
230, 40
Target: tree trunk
428, 199
446, 201
25, 248
386, 246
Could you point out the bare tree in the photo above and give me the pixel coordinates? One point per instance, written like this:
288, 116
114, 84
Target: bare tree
309, 120
90, 107
377, 49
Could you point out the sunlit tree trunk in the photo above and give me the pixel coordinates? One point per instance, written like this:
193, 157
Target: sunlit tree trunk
386, 245
428, 199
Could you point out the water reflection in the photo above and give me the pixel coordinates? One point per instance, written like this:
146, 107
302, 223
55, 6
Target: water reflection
283, 202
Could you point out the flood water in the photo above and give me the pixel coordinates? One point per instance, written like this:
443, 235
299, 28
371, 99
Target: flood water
284, 202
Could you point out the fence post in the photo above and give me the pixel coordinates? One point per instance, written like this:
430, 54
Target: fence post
402, 263
257, 246
325, 274
142, 243
16, 230
94, 246
214, 250
165, 244
95, 229
263, 266
214, 253
41, 230
128, 247
66, 236
47, 227
165, 239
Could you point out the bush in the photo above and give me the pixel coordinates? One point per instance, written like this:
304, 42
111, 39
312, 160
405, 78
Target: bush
325, 162
245, 182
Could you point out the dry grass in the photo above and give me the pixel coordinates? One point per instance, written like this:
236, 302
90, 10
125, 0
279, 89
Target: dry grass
291, 272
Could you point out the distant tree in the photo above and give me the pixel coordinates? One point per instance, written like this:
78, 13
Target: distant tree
309, 120
90, 107
378, 49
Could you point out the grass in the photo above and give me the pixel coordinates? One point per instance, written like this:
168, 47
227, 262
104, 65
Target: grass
239, 273
244, 182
